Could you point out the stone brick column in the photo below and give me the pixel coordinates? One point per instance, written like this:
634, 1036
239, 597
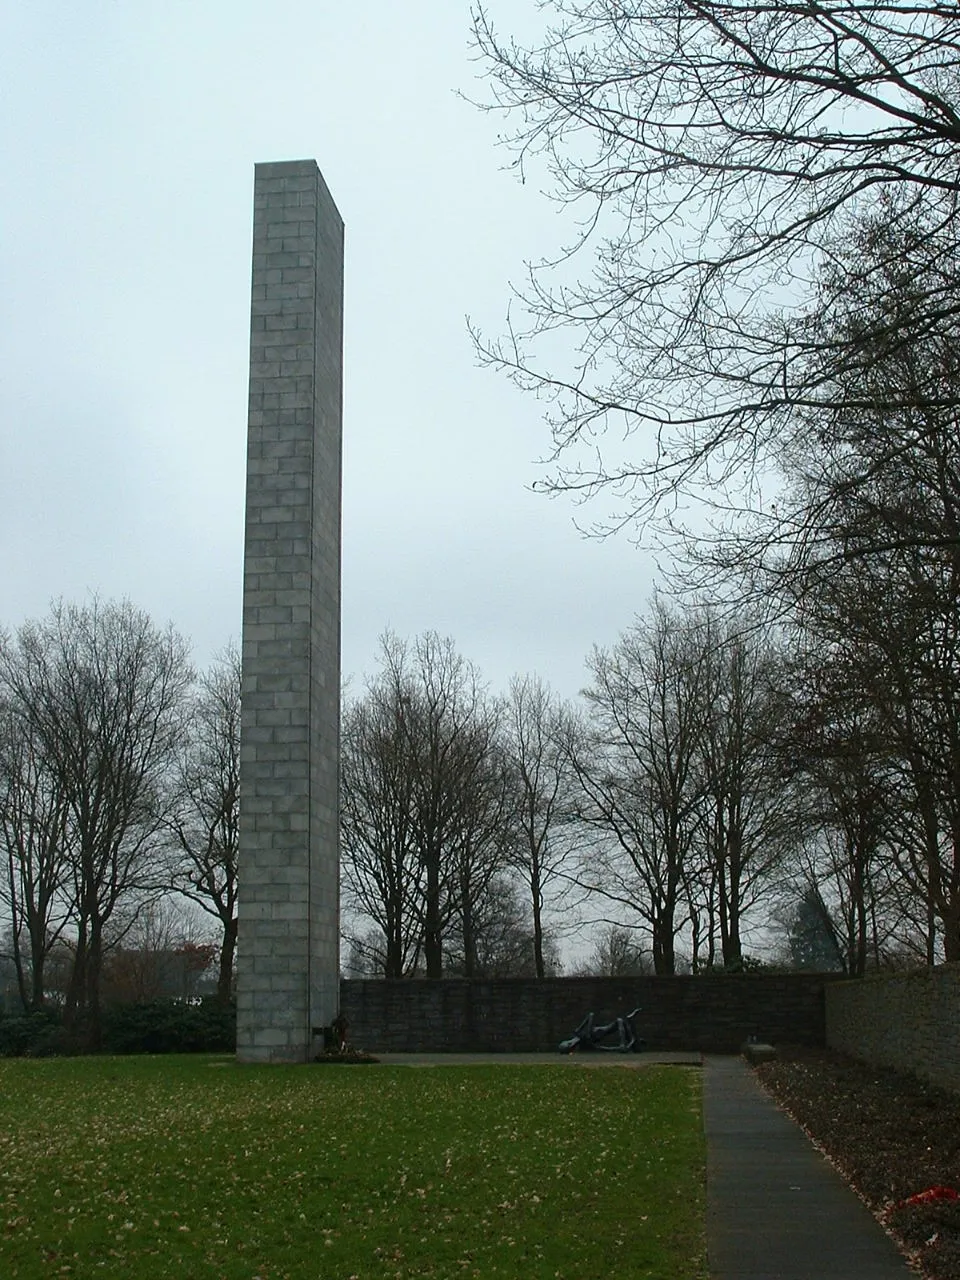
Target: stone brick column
288, 942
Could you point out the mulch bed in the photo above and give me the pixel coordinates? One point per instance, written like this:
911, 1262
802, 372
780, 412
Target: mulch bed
891, 1136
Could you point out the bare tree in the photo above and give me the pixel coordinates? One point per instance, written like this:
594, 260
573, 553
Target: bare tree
503, 939
641, 791
891, 629
484, 839
867, 560
381, 867
717, 154
37, 884
617, 954
101, 691
929, 732
842, 756
749, 810
875, 471
446, 723
539, 738
365, 952
424, 802
205, 817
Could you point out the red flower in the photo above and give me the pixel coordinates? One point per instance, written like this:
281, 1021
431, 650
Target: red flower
931, 1194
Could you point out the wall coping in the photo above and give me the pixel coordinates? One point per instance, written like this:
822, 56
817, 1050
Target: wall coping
920, 972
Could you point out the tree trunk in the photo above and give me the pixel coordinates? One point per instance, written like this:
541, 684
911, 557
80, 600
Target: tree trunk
950, 889
432, 939
37, 961
393, 960
730, 917
950, 918
227, 948
469, 939
664, 962
541, 970
21, 975
78, 980
858, 959
94, 969
695, 938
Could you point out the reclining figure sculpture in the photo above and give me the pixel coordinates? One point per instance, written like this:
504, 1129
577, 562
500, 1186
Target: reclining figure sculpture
589, 1036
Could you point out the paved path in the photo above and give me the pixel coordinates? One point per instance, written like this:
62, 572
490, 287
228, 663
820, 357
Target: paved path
776, 1210
636, 1060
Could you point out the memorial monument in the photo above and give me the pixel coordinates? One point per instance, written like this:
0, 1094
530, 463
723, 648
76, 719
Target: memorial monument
288, 939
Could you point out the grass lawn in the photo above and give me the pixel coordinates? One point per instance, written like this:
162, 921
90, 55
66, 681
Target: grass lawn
196, 1167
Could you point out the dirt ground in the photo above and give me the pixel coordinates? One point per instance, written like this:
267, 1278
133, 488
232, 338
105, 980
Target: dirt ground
891, 1136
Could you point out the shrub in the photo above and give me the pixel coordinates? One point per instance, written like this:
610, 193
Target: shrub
170, 1026
157, 1026
33, 1035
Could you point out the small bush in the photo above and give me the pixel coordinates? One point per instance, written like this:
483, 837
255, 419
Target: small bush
170, 1026
33, 1035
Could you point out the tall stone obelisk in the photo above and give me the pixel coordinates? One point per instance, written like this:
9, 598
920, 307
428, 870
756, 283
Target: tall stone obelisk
288, 940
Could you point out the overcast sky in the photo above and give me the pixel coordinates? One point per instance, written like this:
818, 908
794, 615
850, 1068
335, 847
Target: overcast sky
129, 136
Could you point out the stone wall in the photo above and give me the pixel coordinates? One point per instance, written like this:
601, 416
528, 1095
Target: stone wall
908, 1021
711, 1014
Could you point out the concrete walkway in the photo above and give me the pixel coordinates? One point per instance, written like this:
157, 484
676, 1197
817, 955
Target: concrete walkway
776, 1210
635, 1060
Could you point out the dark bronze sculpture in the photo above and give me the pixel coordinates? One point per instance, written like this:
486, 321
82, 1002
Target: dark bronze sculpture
590, 1036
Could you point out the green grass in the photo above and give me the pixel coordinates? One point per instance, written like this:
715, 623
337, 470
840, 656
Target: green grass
195, 1168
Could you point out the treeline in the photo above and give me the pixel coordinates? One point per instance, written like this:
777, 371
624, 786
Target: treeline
119, 788
721, 780
453, 808
724, 789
